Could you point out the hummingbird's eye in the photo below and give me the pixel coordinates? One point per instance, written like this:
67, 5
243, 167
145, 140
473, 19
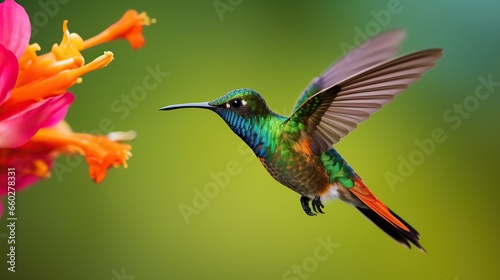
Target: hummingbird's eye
236, 103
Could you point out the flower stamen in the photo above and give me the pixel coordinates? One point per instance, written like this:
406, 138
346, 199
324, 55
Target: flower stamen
63, 56
57, 84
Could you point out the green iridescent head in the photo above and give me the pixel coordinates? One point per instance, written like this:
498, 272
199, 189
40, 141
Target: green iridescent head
247, 114
243, 102
244, 111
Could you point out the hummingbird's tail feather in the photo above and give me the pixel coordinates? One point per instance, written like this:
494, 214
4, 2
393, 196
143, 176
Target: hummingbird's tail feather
383, 217
398, 234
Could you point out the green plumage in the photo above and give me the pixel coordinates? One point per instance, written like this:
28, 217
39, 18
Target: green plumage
337, 169
273, 138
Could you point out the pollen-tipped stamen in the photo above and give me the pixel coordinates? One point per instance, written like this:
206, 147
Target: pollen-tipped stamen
57, 84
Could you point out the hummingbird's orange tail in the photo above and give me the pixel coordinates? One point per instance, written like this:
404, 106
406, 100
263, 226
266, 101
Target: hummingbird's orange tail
384, 218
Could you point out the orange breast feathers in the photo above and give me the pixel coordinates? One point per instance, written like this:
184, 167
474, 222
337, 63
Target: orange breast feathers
303, 146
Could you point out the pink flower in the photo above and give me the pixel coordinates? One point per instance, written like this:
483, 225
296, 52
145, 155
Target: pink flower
19, 123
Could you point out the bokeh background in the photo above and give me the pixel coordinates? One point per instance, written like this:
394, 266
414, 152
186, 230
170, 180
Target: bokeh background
131, 225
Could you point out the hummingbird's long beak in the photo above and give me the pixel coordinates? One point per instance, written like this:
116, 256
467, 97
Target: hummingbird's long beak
202, 105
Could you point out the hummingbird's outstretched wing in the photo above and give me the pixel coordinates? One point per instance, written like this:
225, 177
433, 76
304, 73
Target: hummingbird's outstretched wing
332, 113
373, 51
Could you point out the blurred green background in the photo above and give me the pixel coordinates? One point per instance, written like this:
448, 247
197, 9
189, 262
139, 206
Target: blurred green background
251, 227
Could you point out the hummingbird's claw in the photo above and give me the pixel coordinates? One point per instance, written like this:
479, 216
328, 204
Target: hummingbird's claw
304, 201
317, 205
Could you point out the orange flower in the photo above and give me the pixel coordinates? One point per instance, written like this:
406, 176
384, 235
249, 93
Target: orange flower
34, 159
41, 88
128, 27
53, 73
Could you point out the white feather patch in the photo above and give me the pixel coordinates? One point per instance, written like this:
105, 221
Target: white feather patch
331, 194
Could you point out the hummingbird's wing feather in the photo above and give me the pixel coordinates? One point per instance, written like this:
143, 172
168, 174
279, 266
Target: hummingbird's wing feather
331, 114
373, 51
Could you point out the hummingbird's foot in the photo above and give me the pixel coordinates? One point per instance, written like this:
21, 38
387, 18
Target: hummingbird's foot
304, 201
316, 204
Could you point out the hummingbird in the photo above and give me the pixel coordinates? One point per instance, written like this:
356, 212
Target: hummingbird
298, 152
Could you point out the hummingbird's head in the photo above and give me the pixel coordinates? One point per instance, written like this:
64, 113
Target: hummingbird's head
239, 103
244, 110
243, 102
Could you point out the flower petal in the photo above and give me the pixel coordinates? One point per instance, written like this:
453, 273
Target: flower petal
128, 27
18, 128
31, 161
100, 152
15, 29
23, 180
8, 72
